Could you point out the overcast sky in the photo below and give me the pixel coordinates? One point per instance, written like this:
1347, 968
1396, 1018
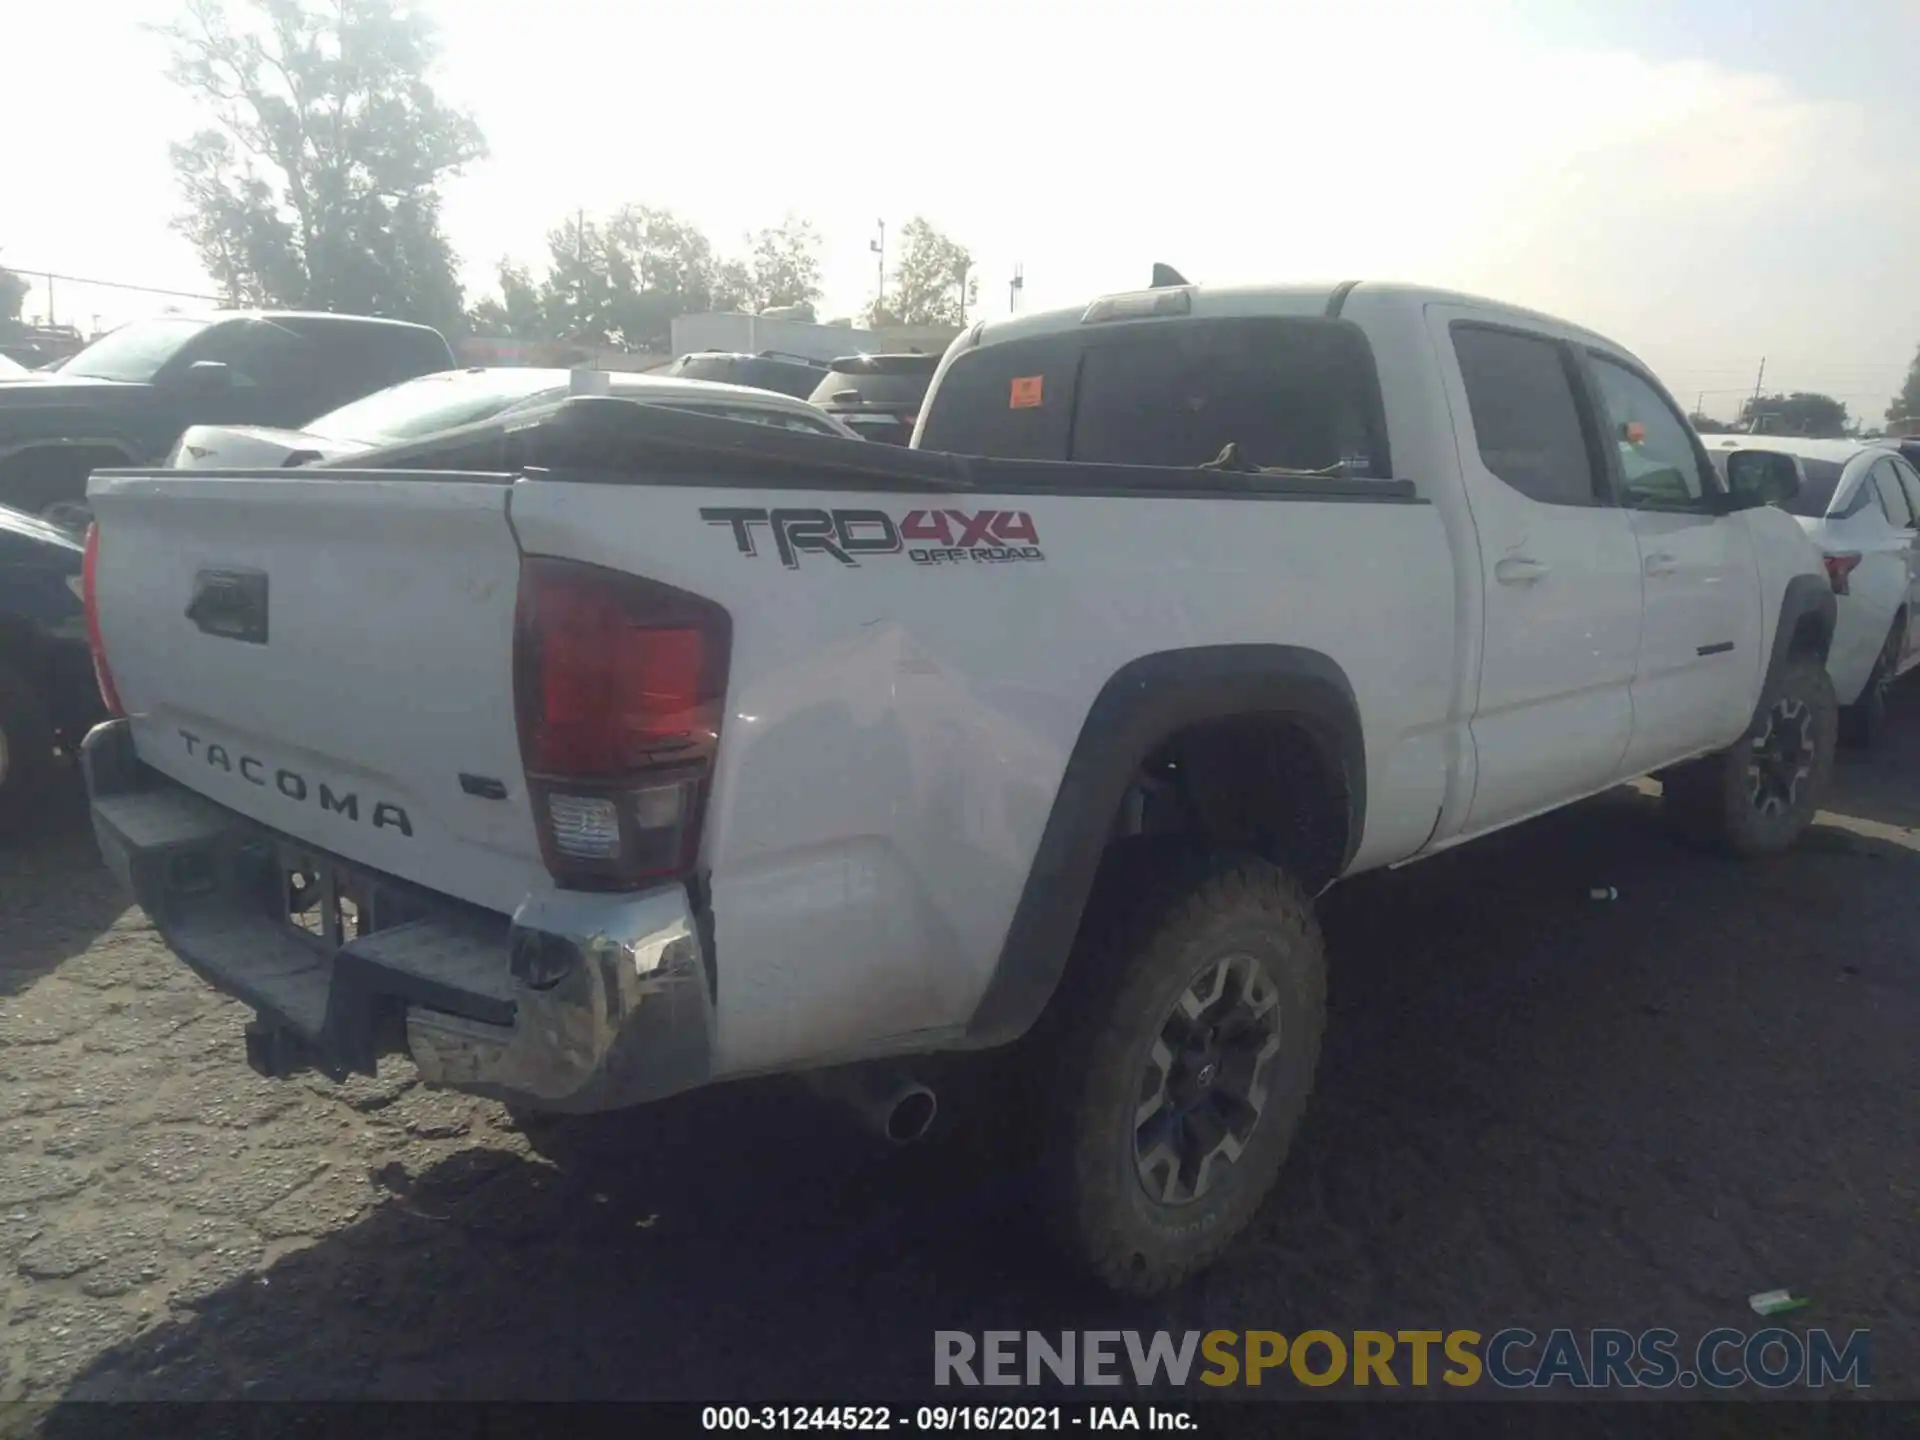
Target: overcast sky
1706, 181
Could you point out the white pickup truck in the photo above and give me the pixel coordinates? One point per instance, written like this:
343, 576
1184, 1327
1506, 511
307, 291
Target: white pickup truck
587, 761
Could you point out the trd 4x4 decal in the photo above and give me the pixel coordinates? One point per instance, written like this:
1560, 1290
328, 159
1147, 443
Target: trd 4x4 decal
927, 537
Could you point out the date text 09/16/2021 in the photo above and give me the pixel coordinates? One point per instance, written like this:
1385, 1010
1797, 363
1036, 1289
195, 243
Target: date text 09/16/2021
946, 1419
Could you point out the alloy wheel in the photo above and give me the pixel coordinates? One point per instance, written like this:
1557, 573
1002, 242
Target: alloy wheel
1782, 757
1204, 1086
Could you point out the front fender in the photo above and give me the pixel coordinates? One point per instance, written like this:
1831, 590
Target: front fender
1805, 622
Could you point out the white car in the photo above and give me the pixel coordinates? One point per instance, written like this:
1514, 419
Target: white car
1858, 501
429, 404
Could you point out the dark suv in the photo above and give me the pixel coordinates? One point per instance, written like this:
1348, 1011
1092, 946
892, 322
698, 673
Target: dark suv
48, 695
124, 399
878, 395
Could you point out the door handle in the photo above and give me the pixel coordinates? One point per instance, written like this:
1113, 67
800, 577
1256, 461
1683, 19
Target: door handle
1519, 570
1661, 563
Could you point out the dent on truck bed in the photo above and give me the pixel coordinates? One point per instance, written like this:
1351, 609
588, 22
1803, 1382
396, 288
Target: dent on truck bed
1146, 703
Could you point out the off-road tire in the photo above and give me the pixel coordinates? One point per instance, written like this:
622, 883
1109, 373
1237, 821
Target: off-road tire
1136, 956
1863, 722
1709, 802
26, 751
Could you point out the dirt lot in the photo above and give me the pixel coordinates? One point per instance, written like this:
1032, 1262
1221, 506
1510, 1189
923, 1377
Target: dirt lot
1535, 1108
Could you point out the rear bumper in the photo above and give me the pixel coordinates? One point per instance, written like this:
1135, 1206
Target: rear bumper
575, 1003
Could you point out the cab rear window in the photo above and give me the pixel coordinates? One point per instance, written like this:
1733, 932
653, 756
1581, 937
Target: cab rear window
1286, 392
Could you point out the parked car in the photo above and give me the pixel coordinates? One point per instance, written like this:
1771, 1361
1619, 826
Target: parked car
878, 395
124, 399
793, 375
430, 404
48, 696
618, 752
1859, 501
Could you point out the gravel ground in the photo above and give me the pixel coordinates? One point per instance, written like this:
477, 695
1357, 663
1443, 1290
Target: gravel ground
1534, 1108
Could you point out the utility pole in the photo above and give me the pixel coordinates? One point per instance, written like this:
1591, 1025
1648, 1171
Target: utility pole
879, 248
1753, 408
961, 276
50, 315
1014, 287
580, 262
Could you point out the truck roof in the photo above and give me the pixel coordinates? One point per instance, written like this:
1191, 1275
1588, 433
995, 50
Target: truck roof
1304, 298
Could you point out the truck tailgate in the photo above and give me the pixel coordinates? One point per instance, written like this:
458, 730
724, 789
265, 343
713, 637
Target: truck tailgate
331, 657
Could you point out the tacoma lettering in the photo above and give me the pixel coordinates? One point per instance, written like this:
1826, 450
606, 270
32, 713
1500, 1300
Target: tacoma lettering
383, 815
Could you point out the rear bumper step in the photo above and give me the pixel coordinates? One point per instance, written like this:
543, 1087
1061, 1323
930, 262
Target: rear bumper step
576, 1002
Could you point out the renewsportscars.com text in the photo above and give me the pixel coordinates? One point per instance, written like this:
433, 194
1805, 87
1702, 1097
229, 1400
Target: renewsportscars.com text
1514, 1359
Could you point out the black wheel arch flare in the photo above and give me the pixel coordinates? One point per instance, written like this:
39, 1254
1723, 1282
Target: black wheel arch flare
1145, 703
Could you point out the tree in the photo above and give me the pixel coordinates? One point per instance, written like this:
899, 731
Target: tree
623, 280
318, 184
733, 285
1707, 425
933, 282
577, 295
672, 269
518, 314
13, 295
783, 263
1904, 412
1801, 413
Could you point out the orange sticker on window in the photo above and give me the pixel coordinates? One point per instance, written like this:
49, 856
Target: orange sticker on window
1025, 392
1636, 432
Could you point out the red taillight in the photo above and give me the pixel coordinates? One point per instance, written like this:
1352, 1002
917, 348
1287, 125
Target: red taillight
619, 684
1839, 567
90, 598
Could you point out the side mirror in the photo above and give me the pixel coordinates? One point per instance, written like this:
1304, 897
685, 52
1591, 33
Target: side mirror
207, 377
1761, 477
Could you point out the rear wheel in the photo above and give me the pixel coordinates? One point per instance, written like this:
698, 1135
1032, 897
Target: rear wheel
1758, 795
1862, 722
26, 750
1189, 1048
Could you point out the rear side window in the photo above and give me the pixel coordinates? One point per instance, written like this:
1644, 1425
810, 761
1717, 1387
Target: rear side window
1893, 500
354, 358
1909, 482
1525, 420
1286, 392
1819, 479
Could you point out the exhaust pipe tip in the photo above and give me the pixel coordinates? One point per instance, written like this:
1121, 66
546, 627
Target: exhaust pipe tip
886, 1102
912, 1114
